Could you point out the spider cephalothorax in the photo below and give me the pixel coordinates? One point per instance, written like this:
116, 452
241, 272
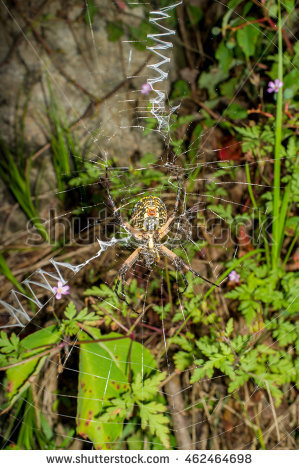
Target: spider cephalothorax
149, 225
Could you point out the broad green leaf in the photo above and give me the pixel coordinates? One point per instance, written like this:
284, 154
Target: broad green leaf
235, 111
228, 88
224, 56
18, 376
289, 5
247, 39
104, 375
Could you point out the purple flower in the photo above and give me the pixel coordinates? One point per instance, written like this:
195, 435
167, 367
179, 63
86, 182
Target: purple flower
146, 88
61, 290
273, 87
234, 277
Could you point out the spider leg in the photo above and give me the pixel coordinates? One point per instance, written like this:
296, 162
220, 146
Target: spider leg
106, 183
116, 211
185, 281
130, 261
163, 231
181, 265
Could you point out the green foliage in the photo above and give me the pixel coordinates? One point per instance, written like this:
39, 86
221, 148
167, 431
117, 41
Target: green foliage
114, 304
180, 90
247, 39
109, 380
139, 402
19, 377
235, 111
6, 271
70, 325
67, 153
10, 345
14, 173
257, 139
262, 293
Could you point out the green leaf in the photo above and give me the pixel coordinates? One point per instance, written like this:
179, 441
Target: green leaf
18, 376
247, 39
181, 89
228, 88
229, 327
231, 5
104, 374
224, 56
183, 360
235, 111
9, 346
289, 5
147, 389
70, 311
152, 417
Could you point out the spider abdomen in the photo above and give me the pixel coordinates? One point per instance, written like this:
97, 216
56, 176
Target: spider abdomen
149, 214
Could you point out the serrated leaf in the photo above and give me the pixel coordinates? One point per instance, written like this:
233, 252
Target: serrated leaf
147, 389
229, 327
182, 360
70, 311
152, 417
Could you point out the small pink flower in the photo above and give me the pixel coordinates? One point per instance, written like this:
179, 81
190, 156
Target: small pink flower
234, 276
273, 87
60, 290
146, 88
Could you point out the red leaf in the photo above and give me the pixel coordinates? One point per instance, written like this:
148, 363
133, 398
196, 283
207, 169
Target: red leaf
230, 149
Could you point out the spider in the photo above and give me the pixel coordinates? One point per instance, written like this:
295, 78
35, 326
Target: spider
149, 225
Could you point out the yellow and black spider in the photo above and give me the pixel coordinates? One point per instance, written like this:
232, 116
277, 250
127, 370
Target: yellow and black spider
149, 225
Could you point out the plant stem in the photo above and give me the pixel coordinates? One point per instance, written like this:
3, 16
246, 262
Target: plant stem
249, 187
277, 154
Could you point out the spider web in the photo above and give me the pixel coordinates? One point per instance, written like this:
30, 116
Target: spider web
197, 225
